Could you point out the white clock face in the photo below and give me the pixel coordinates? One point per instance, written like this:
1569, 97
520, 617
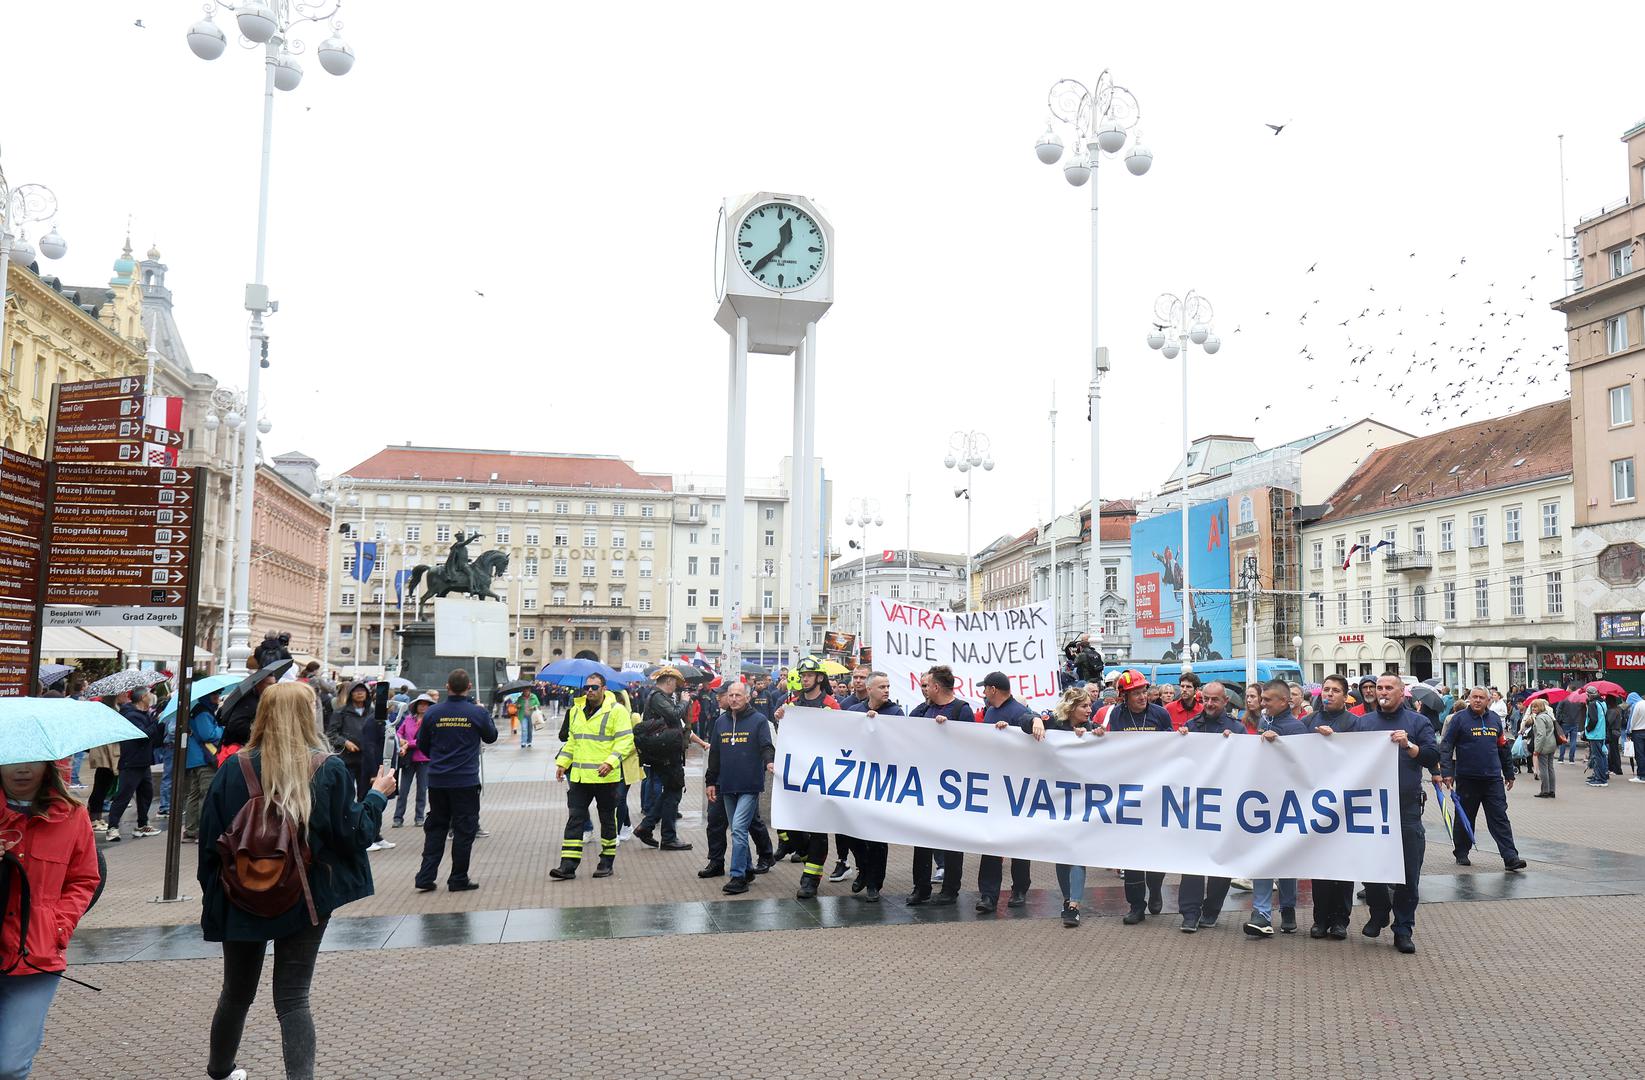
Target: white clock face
780, 246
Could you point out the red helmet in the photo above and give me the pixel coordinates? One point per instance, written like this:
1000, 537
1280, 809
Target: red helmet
1129, 680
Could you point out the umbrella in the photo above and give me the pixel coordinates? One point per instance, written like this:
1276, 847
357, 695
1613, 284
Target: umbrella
626, 679
574, 672
1605, 689
198, 691
750, 668
50, 673
1444, 804
122, 682
1435, 681
1427, 695
1457, 815
249, 683
50, 729
689, 673
1553, 695
395, 682
1578, 696
515, 687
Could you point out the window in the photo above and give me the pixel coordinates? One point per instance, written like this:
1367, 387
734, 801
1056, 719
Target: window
505, 506
647, 510
1556, 592
473, 505
1419, 538
560, 506
1341, 547
1247, 515
1622, 405
588, 598
1419, 604
691, 565
616, 570
588, 568
616, 598
714, 634
691, 598
1476, 530
1516, 596
561, 567
39, 380
1616, 333
528, 633
766, 600
695, 512
414, 532
639, 635
619, 509
558, 599
591, 538
443, 502
1448, 602
645, 568
714, 511
503, 533
1111, 624
1622, 480
384, 500
693, 537
528, 568
532, 537
690, 632
619, 538
348, 566
770, 537
1319, 555
1393, 605
1365, 548
414, 502
1389, 536
648, 540
645, 602
590, 509
1447, 535
771, 513
1342, 609
442, 534
534, 506
562, 536
1111, 579
713, 598
1319, 609
713, 538
1482, 598
713, 566
346, 629
1622, 260
1365, 606
1550, 519
347, 600
1510, 525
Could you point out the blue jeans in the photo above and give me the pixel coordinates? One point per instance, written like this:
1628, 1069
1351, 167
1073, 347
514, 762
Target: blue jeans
163, 754
411, 771
739, 810
1639, 752
74, 769
525, 729
1570, 744
1262, 894
1599, 761
24, 1000
651, 789
1071, 880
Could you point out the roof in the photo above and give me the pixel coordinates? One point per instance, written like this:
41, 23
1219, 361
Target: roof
435, 463
1534, 444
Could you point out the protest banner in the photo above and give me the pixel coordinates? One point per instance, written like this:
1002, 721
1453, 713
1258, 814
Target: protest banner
908, 640
1303, 806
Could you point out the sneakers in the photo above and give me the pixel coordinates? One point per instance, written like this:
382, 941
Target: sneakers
735, 886
1070, 916
1259, 925
936, 875
1337, 931
99, 826
625, 833
418, 823
113, 836
1287, 920
1207, 924
1240, 884
378, 846
398, 824
146, 830
1636, 779
1591, 783
841, 869
237, 1074
1189, 926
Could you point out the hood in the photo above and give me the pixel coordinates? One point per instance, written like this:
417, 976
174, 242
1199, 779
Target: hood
207, 704
1633, 699
56, 810
348, 695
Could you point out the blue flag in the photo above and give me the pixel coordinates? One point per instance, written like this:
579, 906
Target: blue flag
365, 560
400, 578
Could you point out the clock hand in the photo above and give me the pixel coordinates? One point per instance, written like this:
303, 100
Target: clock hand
783, 237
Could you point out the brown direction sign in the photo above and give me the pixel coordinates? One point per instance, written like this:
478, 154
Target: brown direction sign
106, 532
100, 513
131, 452
113, 496
140, 476
22, 521
129, 407
94, 429
100, 389
66, 556
116, 595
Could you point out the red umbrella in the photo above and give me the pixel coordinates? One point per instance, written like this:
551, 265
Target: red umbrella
1553, 696
1605, 689
1578, 696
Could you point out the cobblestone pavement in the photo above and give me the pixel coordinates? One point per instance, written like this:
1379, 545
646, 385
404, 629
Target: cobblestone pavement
1016, 998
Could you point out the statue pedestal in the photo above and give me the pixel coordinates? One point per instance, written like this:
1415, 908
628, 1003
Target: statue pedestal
429, 669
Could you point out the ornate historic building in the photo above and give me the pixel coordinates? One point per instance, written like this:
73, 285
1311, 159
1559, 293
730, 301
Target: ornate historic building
288, 557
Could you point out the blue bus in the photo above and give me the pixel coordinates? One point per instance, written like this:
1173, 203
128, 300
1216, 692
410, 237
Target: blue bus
1223, 671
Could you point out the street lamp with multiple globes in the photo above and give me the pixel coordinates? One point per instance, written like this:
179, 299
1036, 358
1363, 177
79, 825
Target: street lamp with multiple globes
270, 25
339, 491
968, 450
1102, 120
863, 513
227, 410
20, 206
1189, 320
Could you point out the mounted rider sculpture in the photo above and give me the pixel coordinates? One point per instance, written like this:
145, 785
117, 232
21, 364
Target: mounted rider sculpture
459, 575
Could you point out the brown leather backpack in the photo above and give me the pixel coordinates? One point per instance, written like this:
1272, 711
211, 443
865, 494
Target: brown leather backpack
263, 860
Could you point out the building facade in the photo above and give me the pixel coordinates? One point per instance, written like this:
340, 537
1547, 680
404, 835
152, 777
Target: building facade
1005, 570
1605, 324
1448, 555
288, 559
927, 579
1073, 575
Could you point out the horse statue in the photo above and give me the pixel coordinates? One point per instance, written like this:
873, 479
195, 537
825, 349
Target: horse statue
442, 582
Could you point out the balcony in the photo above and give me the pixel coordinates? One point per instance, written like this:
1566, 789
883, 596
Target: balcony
1408, 562
1404, 629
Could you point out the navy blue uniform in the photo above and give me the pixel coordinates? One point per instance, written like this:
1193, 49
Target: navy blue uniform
1151, 718
1200, 898
1476, 755
953, 862
991, 868
1333, 900
1399, 900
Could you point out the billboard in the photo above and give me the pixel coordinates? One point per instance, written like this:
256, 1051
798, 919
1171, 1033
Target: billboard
1156, 570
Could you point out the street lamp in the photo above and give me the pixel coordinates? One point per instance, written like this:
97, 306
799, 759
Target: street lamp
1439, 651
270, 24
968, 450
1296, 645
227, 409
863, 512
335, 492
19, 207
1103, 120
1189, 319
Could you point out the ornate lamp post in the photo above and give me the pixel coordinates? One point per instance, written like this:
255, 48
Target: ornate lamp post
863, 513
968, 450
21, 206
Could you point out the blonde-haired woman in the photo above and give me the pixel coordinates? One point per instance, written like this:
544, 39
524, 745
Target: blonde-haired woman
1071, 713
312, 789
1541, 731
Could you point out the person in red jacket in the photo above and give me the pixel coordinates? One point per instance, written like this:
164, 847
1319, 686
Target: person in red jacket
1189, 701
48, 833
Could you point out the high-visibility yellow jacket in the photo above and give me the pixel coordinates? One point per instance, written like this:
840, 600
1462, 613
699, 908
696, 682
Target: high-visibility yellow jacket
604, 737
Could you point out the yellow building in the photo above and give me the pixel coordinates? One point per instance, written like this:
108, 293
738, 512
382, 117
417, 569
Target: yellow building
63, 333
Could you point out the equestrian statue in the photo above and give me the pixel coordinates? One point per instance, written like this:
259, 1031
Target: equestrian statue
459, 575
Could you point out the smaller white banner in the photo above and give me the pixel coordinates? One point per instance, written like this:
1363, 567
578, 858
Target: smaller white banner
114, 616
909, 640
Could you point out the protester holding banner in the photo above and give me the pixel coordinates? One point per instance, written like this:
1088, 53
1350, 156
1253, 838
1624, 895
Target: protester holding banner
1003, 711
942, 705
1278, 719
1413, 736
1188, 700
813, 694
1073, 713
1136, 713
871, 854
1200, 898
1333, 900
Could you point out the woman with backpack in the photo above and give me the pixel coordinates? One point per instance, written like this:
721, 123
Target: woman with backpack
284, 801
46, 837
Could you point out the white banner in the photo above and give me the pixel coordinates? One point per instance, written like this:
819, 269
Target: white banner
1301, 806
908, 640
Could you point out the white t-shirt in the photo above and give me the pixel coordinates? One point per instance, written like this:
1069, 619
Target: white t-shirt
1636, 718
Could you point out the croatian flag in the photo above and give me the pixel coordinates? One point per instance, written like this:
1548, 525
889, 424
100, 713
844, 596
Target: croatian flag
1369, 551
166, 413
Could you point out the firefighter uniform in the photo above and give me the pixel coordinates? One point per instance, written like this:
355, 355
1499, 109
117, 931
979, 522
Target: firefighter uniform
602, 735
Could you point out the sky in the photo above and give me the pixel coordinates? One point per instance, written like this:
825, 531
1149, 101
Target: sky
497, 230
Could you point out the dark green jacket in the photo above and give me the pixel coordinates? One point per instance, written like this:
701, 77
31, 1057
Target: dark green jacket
339, 831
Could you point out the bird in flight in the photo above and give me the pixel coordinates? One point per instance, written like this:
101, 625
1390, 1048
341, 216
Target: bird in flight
1277, 127
478, 293
139, 24
1310, 270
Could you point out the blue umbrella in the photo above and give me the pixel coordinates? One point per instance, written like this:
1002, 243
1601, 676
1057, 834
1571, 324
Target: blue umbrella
50, 729
50, 673
574, 672
624, 679
199, 690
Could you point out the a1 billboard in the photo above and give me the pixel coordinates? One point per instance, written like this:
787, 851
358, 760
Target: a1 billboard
1156, 569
